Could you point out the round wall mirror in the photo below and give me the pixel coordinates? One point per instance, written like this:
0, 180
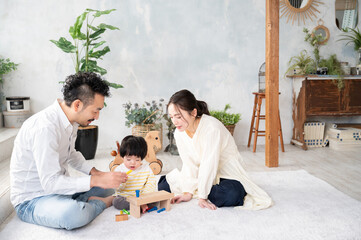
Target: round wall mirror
320, 29
298, 3
346, 14
299, 10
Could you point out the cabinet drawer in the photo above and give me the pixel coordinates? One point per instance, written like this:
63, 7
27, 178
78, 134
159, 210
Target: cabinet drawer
323, 98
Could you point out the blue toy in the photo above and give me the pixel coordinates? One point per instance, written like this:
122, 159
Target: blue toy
152, 209
161, 210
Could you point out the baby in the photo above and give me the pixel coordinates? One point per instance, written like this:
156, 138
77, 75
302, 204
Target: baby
133, 150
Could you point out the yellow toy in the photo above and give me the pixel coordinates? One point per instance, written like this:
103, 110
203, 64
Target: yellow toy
153, 143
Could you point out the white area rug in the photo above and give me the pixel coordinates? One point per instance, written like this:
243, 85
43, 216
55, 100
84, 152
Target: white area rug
305, 207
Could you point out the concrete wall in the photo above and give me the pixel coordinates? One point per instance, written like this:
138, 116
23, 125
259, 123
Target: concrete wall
212, 47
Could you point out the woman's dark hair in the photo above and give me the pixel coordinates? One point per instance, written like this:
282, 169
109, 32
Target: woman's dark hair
186, 101
133, 146
83, 86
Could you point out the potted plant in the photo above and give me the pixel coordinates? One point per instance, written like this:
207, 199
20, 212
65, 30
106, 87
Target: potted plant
353, 36
87, 48
302, 64
229, 120
315, 40
143, 117
6, 66
85, 51
334, 68
172, 147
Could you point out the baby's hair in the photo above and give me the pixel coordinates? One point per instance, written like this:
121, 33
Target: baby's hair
133, 146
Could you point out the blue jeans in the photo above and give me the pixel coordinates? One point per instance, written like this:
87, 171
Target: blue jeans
225, 194
63, 211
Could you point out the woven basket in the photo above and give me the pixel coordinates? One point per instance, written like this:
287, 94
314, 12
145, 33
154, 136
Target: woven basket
142, 130
230, 128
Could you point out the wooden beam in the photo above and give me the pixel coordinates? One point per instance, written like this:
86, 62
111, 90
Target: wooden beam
272, 82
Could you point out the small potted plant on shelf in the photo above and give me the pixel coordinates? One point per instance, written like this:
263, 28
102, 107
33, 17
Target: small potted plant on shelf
334, 68
87, 48
144, 117
302, 64
6, 66
229, 120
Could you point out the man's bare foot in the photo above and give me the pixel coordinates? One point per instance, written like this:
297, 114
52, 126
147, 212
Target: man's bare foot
107, 200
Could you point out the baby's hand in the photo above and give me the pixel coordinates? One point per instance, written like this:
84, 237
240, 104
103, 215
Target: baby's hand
144, 208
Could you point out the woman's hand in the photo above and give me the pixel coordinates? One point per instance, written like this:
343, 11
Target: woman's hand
185, 197
204, 203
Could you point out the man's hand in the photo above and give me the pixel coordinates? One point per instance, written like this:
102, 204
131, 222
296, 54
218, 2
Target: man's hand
204, 203
95, 171
107, 179
182, 198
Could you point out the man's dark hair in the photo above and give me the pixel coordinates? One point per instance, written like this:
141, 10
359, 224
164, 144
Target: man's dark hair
133, 146
83, 86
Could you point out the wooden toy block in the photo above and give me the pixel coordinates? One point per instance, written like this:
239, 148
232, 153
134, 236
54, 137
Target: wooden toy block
121, 217
163, 197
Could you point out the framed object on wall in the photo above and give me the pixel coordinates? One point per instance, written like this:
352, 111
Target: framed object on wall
299, 10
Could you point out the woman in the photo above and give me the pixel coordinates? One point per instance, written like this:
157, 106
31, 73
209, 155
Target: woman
211, 169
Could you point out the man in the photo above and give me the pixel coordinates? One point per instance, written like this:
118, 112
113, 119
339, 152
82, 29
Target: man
42, 191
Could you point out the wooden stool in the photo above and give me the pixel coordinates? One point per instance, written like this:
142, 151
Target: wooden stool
258, 97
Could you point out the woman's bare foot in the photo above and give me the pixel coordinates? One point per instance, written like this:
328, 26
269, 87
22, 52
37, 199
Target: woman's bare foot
107, 200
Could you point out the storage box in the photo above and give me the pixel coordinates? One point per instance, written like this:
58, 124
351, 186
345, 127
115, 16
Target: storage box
17, 104
15, 119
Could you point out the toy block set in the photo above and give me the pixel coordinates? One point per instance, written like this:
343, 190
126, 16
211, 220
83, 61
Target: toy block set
163, 197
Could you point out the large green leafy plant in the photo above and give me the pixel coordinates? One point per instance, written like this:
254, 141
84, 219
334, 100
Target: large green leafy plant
352, 36
225, 117
87, 47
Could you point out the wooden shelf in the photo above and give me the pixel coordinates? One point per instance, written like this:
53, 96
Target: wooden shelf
312, 97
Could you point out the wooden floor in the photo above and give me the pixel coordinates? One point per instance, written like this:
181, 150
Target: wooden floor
341, 169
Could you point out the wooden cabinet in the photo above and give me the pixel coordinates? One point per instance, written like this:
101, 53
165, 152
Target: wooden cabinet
320, 96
